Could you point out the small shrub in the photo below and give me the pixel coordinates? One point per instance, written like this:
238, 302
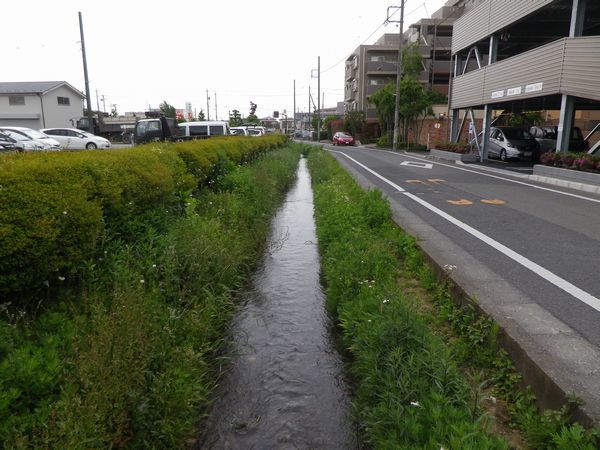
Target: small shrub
455, 147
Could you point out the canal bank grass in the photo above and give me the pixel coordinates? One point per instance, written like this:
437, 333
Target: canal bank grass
426, 372
128, 358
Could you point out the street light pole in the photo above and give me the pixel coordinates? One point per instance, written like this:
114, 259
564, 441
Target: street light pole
398, 74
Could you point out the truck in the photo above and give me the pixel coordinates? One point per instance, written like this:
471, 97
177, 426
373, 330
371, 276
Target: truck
117, 128
156, 127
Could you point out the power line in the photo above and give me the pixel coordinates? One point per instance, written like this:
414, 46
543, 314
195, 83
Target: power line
371, 35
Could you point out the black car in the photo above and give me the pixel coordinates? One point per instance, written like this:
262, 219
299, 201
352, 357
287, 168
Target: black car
547, 136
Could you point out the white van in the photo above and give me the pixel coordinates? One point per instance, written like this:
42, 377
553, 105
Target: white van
202, 129
247, 130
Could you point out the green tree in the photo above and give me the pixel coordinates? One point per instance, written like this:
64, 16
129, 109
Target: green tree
354, 122
384, 99
235, 118
252, 117
414, 102
201, 115
412, 61
167, 110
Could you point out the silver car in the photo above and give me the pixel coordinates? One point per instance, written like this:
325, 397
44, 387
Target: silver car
512, 142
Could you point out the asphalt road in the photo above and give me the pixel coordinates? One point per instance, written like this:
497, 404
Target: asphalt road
529, 252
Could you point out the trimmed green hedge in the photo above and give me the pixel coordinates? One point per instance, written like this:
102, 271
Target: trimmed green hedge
54, 207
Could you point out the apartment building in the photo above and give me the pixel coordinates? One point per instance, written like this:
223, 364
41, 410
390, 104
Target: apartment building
535, 55
370, 67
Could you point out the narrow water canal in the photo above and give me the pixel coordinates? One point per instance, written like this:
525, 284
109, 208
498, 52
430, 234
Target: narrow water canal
285, 389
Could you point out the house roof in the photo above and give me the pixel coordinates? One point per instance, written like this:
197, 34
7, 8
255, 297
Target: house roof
34, 87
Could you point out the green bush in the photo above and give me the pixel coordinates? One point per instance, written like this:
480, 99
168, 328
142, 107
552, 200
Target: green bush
55, 208
456, 147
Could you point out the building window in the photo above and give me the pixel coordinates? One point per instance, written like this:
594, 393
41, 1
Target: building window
64, 101
16, 100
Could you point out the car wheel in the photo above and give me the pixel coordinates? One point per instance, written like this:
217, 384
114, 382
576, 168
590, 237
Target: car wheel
502, 155
91, 146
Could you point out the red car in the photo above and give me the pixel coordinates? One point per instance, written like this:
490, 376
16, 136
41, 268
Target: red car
341, 138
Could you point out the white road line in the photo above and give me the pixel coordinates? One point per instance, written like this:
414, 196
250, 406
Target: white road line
551, 277
394, 185
581, 197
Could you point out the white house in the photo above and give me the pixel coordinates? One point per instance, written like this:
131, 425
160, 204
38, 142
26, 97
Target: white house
39, 104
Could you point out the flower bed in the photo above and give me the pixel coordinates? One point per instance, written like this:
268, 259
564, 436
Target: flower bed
574, 161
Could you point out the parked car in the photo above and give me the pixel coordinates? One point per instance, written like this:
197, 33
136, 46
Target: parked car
512, 142
342, 138
74, 139
6, 143
238, 131
47, 141
22, 142
547, 136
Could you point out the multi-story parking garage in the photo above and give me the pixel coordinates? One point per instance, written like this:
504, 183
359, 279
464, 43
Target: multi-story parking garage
529, 55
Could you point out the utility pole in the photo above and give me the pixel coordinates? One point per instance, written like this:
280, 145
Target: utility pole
104, 103
294, 105
318, 98
398, 73
97, 102
85, 76
216, 111
309, 98
207, 106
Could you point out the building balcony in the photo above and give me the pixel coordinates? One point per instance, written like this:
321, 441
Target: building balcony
382, 67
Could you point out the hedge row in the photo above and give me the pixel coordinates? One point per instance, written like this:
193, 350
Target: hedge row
54, 207
575, 161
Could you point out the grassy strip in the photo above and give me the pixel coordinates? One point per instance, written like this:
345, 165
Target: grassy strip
127, 359
424, 368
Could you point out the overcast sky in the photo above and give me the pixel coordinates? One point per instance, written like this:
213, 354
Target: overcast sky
140, 53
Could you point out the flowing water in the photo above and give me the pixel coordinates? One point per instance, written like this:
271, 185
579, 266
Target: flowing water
285, 388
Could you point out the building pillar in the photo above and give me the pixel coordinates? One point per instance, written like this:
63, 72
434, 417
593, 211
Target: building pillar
487, 114
565, 124
577, 18
454, 122
567, 106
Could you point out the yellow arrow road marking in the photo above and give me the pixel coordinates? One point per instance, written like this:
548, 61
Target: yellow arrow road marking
461, 202
493, 202
415, 181
436, 180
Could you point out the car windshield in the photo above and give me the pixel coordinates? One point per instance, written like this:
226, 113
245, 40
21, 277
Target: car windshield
345, 135
17, 136
516, 133
33, 134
